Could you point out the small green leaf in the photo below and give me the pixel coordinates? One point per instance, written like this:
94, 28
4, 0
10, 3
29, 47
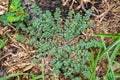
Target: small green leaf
13, 8
2, 43
20, 38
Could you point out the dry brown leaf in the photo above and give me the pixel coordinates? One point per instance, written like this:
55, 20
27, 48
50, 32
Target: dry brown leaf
21, 54
115, 67
116, 9
22, 65
28, 67
2, 12
86, 1
1, 32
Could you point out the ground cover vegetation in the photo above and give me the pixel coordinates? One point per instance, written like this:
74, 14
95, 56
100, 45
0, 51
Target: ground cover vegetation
15, 14
61, 39
50, 39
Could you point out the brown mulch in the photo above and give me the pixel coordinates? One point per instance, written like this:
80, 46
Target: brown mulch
16, 57
3, 6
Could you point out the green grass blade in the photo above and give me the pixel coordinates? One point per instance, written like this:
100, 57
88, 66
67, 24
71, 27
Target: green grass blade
43, 70
109, 35
93, 64
39, 76
109, 48
117, 76
2, 43
110, 72
115, 52
12, 75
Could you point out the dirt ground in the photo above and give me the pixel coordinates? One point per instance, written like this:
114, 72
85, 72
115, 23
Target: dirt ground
15, 56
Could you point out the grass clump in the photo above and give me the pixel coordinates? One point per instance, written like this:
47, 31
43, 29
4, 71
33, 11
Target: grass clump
110, 52
51, 35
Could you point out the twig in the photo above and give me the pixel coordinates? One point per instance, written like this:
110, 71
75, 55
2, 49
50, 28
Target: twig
105, 13
72, 4
12, 27
22, 47
65, 2
5, 56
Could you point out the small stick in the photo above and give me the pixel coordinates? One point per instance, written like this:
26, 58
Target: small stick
105, 13
64, 3
5, 56
12, 27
